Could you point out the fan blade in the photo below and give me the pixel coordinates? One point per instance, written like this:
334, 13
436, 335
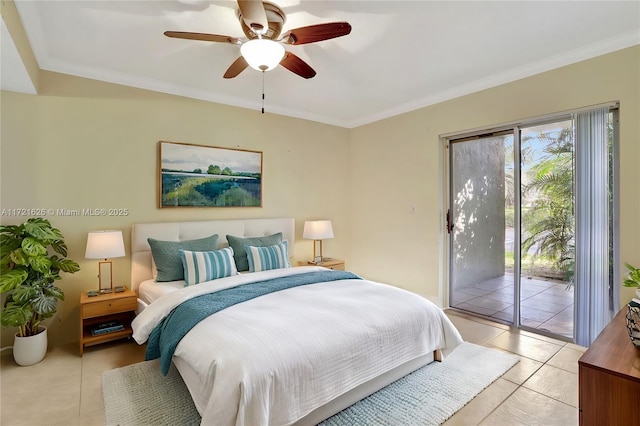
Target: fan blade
236, 68
297, 65
203, 37
254, 15
319, 32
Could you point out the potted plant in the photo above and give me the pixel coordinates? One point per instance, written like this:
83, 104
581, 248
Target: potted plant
633, 278
29, 266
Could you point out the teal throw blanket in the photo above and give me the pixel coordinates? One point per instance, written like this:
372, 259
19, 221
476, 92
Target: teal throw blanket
165, 336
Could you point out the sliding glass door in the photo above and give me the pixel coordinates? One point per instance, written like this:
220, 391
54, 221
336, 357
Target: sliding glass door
512, 224
512, 228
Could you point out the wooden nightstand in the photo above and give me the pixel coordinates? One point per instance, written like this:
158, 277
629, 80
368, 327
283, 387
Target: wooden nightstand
102, 308
335, 264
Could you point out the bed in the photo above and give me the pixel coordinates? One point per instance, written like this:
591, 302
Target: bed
293, 356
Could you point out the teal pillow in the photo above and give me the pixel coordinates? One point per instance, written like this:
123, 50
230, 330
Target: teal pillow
167, 257
266, 258
201, 266
240, 253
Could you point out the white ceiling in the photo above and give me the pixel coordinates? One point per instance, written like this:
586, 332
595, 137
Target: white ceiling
400, 56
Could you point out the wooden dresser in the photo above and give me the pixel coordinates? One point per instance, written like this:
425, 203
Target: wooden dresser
609, 378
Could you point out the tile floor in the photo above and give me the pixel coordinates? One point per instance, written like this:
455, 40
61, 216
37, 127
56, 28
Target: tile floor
546, 305
540, 390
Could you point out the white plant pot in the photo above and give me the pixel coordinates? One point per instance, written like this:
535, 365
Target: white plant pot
31, 349
638, 293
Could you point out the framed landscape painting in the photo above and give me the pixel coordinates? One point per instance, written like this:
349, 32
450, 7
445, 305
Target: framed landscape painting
208, 176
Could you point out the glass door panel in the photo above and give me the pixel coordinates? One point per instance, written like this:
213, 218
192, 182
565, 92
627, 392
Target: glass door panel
547, 228
481, 226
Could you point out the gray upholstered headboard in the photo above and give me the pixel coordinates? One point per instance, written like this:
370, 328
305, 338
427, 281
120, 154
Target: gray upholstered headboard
180, 231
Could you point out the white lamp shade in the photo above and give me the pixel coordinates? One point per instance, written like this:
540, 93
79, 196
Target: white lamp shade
104, 245
262, 54
317, 230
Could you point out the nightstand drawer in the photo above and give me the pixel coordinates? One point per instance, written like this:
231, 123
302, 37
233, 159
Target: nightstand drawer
106, 307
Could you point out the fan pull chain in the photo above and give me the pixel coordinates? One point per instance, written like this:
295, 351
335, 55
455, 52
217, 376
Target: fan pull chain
263, 92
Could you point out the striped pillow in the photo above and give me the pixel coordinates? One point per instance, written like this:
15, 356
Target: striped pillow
270, 257
201, 266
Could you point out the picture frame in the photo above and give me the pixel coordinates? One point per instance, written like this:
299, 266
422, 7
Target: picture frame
191, 175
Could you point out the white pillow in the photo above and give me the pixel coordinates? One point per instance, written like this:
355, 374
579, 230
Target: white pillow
201, 266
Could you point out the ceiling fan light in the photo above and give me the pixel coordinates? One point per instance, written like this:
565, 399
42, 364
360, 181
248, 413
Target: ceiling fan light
261, 54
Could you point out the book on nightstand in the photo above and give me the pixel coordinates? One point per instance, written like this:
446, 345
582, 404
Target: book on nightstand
106, 327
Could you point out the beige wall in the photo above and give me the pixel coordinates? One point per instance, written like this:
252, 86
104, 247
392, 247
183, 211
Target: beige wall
397, 163
85, 144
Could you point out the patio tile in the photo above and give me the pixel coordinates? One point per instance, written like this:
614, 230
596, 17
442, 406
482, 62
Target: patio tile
545, 297
539, 305
501, 296
504, 315
546, 304
493, 284
536, 284
558, 326
487, 303
532, 314
458, 297
472, 290
477, 309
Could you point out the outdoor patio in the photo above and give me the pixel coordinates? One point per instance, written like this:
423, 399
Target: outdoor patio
546, 305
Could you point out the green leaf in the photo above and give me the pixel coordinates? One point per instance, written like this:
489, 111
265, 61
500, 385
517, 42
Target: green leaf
12, 279
44, 305
32, 247
40, 263
65, 265
23, 294
42, 229
53, 291
60, 247
8, 244
19, 257
14, 315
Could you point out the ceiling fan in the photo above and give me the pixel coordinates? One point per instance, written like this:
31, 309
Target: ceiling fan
263, 49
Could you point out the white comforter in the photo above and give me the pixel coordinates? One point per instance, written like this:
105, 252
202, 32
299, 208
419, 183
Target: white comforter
274, 359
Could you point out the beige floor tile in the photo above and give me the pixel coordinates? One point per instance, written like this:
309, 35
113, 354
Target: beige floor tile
555, 383
111, 355
576, 347
526, 407
97, 418
91, 395
59, 373
483, 404
475, 332
529, 347
56, 405
566, 359
524, 369
543, 337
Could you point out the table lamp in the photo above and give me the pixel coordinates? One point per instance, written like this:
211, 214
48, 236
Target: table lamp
317, 230
104, 245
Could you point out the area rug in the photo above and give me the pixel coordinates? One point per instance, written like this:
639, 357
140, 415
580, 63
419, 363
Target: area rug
139, 394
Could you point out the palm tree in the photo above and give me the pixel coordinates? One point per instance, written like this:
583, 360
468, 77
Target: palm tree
549, 222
